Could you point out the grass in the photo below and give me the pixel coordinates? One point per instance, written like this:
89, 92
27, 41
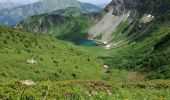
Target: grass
118, 34
60, 61
57, 60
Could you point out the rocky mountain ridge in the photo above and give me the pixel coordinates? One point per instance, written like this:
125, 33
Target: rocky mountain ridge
11, 16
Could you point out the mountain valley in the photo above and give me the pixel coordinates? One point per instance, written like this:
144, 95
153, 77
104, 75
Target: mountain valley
84, 53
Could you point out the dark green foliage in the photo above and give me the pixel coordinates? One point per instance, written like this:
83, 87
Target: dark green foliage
163, 42
78, 90
145, 56
147, 50
156, 7
5, 42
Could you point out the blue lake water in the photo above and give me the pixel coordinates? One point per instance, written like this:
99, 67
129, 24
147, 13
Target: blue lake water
86, 43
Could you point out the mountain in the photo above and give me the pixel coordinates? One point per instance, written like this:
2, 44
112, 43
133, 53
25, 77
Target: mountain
68, 24
139, 31
70, 11
8, 5
89, 8
12, 16
119, 11
86, 8
103, 5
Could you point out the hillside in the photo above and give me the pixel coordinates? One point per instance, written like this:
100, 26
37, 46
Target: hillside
70, 11
30, 56
135, 41
58, 61
137, 37
62, 24
89, 8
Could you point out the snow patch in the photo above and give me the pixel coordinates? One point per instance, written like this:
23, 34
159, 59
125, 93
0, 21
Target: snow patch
128, 14
147, 18
109, 46
150, 16
105, 42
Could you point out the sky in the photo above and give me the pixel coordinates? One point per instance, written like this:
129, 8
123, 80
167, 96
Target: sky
89, 1
96, 1
20, 1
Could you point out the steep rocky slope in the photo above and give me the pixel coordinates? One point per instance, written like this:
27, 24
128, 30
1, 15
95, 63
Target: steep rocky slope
140, 42
127, 13
107, 26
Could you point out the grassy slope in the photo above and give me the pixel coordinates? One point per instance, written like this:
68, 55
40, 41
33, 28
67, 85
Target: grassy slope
62, 27
56, 60
61, 61
70, 11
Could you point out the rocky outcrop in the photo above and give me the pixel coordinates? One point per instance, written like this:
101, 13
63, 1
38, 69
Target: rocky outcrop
107, 25
115, 14
117, 6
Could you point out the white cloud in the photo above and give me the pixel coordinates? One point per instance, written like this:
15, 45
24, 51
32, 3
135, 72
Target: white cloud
20, 1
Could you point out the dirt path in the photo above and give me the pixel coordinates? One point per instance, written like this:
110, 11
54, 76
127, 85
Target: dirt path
135, 76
